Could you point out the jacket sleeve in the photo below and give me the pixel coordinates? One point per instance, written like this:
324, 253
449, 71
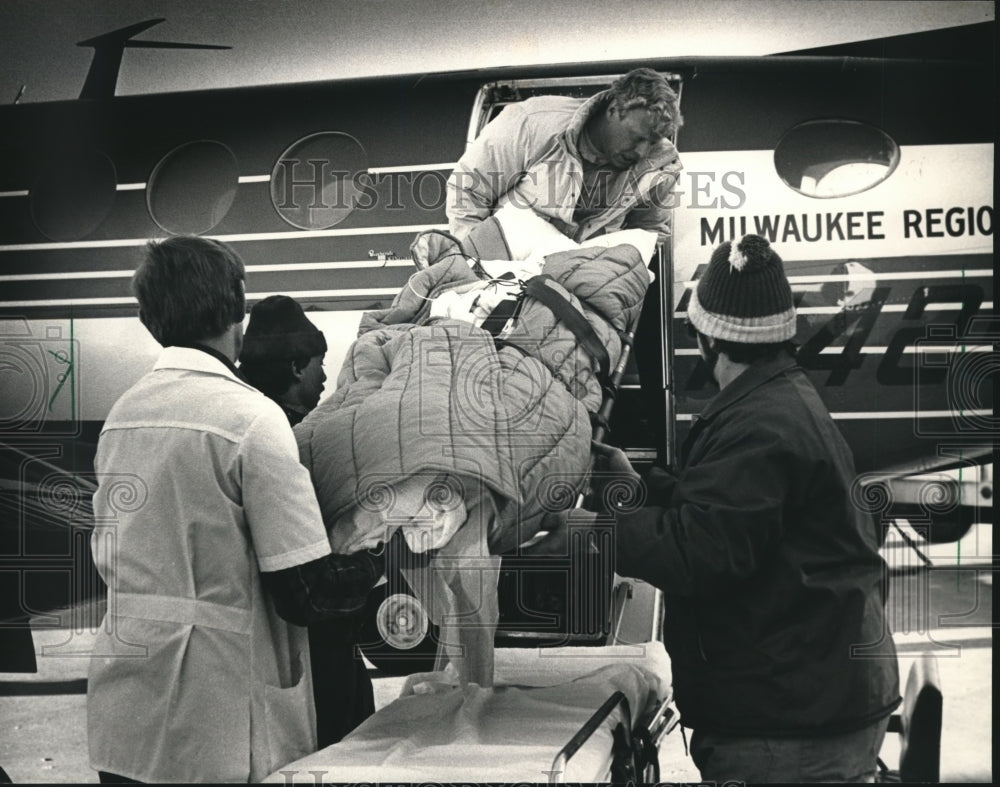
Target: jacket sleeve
659, 486
278, 500
725, 513
330, 587
490, 167
654, 212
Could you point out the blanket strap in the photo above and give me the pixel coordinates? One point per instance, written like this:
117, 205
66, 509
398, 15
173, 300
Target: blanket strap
503, 312
497, 319
501, 343
541, 288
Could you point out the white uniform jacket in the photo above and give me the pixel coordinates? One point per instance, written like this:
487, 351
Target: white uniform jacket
194, 676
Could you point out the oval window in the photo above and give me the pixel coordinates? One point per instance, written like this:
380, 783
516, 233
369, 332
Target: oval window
314, 184
835, 158
193, 187
73, 194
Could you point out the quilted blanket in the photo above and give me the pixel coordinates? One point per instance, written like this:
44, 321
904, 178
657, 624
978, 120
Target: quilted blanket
462, 440
420, 396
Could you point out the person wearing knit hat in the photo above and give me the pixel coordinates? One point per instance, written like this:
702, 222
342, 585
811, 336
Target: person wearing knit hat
742, 309
744, 296
773, 586
282, 355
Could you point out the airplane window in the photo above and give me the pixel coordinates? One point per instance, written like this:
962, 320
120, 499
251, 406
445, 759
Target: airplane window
315, 183
73, 194
193, 187
835, 158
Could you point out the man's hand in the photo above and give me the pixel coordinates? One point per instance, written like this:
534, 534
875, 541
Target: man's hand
662, 193
558, 524
614, 482
396, 554
611, 459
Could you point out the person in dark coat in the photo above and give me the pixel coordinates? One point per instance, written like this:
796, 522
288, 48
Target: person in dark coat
282, 357
783, 663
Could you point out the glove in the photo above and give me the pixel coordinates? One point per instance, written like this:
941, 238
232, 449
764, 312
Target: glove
398, 555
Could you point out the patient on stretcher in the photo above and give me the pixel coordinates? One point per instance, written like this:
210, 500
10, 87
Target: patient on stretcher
463, 428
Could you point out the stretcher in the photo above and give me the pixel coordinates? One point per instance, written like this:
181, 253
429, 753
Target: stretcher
575, 713
591, 714
581, 713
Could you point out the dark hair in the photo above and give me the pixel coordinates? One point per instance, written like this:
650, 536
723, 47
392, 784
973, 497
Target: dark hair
643, 87
189, 289
749, 353
739, 352
273, 377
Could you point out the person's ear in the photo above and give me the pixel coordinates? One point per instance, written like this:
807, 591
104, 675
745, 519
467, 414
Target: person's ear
236, 331
298, 374
240, 306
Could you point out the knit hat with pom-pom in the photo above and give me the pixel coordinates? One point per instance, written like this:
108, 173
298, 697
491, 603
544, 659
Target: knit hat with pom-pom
744, 296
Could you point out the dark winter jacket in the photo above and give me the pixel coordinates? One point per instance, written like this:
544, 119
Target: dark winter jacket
774, 589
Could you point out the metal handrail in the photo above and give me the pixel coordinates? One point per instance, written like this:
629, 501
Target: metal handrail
664, 721
608, 404
558, 768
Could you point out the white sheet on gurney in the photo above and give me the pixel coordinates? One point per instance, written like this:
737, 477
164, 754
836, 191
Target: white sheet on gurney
509, 733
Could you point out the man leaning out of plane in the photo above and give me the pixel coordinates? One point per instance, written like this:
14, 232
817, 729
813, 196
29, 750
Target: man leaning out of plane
589, 166
783, 664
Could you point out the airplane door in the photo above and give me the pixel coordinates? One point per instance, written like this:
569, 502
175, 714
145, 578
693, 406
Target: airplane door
642, 422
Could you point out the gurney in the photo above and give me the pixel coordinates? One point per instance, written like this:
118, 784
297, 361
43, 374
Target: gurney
577, 713
488, 428
584, 713
561, 714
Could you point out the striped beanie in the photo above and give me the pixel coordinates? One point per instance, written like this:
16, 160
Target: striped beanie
744, 296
